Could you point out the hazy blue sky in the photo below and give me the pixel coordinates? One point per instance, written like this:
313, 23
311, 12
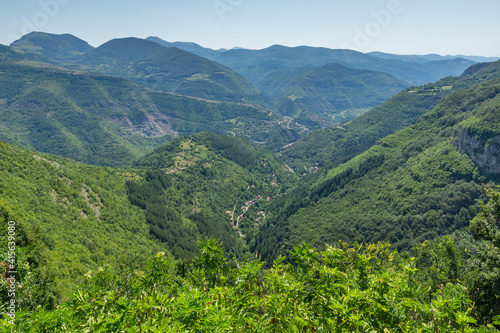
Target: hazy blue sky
395, 26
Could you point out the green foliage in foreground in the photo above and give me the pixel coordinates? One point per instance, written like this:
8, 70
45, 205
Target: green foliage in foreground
35, 281
341, 289
486, 267
442, 286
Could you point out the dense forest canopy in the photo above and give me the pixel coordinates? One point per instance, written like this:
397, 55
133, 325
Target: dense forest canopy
175, 196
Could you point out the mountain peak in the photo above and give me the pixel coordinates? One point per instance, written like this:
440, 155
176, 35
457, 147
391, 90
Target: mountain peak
190, 47
58, 47
130, 45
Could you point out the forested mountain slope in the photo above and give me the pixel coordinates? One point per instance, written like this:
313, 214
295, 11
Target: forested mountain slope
260, 64
63, 48
71, 217
331, 146
170, 69
7, 54
80, 214
328, 94
252, 64
221, 184
63, 112
319, 87
97, 225
193, 187
430, 57
417, 184
323, 94
317, 97
146, 63
190, 47
107, 120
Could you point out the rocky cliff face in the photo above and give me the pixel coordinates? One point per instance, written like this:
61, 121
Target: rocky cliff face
485, 154
150, 125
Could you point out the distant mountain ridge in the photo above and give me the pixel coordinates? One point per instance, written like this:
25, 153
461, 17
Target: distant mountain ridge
106, 120
63, 47
431, 57
190, 47
420, 58
273, 77
147, 63
331, 93
170, 69
243, 62
276, 69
